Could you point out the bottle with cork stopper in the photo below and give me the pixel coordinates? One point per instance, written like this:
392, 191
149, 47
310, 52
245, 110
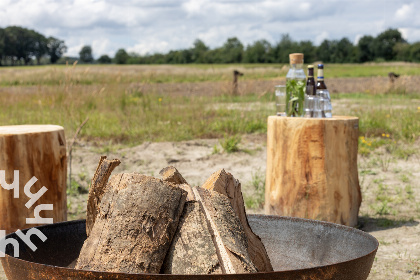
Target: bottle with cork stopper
295, 86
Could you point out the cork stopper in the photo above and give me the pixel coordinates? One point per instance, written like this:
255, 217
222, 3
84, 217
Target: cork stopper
296, 58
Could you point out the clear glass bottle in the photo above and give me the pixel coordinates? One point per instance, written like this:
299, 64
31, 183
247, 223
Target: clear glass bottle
310, 93
323, 93
295, 86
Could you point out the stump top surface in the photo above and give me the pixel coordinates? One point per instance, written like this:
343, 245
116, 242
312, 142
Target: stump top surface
28, 129
334, 118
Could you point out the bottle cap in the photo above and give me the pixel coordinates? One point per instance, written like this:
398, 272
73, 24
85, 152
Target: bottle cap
296, 58
321, 66
310, 66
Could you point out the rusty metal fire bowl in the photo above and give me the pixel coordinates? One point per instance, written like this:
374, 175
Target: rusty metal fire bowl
298, 249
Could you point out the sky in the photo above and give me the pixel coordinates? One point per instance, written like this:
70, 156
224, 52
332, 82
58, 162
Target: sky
151, 26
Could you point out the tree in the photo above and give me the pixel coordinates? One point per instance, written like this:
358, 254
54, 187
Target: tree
325, 50
384, 44
2, 46
403, 51
104, 59
19, 43
415, 52
258, 52
121, 57
365, 49
344, 52
85, 54
307, 48
283, 48
39, 46
232, 51
198, 52
55, 49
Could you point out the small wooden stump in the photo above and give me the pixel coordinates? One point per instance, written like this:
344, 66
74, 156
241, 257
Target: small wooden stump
312, 168
33, 150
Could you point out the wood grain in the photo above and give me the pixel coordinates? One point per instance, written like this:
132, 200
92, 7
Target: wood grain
224, 183
34, 150
312, 169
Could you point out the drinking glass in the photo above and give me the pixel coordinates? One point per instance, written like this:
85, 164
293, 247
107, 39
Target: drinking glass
317, 112
308, 107
280, 91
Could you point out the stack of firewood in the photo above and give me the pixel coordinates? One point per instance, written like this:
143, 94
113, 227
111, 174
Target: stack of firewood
141, 224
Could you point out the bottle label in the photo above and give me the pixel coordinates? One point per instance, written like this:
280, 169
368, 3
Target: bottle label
320, 74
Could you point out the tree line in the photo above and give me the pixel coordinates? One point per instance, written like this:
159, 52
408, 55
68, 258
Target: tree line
20, 45
387, 46
24, 46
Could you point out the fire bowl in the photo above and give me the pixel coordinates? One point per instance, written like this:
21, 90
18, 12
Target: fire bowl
298, 249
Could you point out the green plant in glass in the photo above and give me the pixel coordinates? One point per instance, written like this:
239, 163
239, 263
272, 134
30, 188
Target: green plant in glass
295, 96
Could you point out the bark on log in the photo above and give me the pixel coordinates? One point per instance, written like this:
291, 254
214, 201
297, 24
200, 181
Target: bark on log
137, 218
209, 238
312, 169
224, 183
33, 150
97, 189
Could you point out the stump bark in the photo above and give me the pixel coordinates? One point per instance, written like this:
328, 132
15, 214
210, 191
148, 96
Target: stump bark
33, 150
137, 218
224, 183
312, 169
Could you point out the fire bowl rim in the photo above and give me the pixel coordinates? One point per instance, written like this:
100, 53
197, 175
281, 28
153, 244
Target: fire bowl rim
71, 272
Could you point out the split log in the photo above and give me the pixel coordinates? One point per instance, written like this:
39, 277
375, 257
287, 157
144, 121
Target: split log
312, 169
227, 232
172, 175
34, 151
209, 238
137, 219
224, 183
97, 189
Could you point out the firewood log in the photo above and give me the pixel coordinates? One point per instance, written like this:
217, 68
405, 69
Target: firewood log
209, 238
136, 221
224, 183
97, 189
172, 175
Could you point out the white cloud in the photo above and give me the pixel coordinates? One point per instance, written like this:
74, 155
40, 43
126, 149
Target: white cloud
357, 38
161, 25
406, 12
149, 47
321, 37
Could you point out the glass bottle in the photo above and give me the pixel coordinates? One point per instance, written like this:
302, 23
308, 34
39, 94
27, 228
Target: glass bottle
310, 82
323, 93
295, 86
310, 93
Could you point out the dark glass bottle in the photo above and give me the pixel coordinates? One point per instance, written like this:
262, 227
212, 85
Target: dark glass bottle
320, 78
310, 82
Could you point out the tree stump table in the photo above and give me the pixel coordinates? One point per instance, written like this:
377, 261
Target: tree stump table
312, 168
35, 151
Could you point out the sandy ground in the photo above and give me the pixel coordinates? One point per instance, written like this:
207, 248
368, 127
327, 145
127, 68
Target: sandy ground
398, 256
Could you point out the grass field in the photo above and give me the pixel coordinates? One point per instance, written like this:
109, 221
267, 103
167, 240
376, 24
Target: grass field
131, 105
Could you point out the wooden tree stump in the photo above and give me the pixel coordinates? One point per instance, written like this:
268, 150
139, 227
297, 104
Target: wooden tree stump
312, 168
33, 150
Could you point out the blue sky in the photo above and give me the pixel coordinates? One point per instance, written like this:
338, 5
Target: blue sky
161, 25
